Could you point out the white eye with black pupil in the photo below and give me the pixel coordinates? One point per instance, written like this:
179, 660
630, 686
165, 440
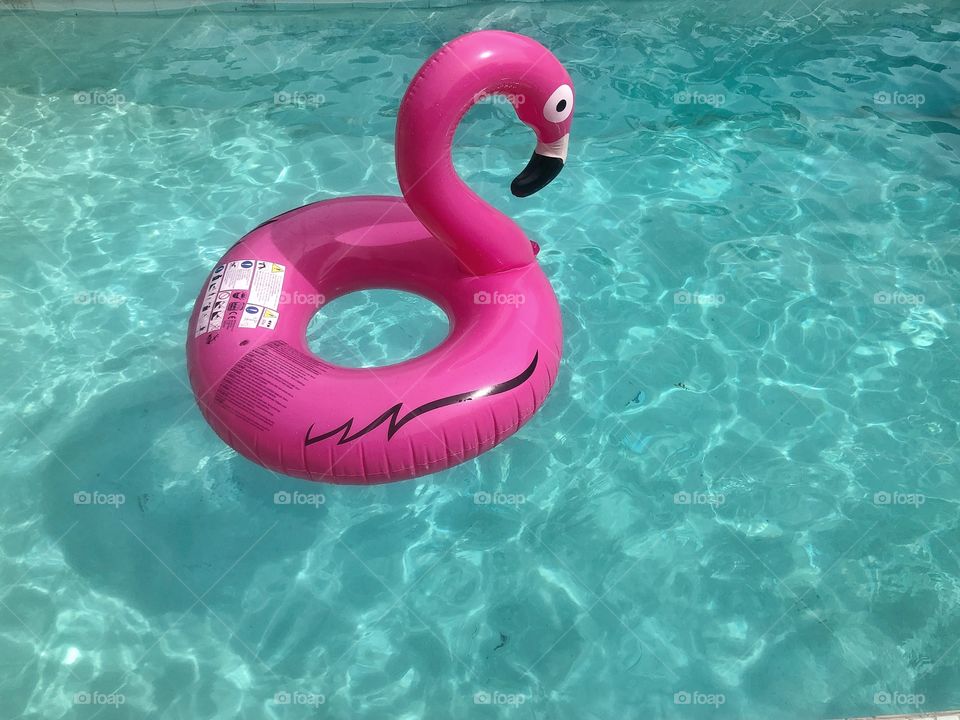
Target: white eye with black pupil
559, 105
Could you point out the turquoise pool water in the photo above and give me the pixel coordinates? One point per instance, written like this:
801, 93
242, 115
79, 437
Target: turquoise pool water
741, 498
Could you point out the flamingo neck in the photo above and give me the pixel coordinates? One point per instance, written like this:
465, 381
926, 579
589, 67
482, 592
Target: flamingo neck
483, 239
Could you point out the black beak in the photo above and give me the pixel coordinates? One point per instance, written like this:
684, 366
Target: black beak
538, 173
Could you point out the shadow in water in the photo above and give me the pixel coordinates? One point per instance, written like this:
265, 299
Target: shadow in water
148, 504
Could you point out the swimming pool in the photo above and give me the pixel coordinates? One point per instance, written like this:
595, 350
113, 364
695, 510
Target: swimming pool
740, 499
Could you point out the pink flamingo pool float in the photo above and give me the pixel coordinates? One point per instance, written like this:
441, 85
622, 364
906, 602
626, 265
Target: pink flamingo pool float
270, 398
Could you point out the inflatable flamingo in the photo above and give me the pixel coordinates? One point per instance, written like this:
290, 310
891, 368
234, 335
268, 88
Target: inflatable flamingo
270, 398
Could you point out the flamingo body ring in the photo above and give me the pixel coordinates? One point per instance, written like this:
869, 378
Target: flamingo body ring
269, 397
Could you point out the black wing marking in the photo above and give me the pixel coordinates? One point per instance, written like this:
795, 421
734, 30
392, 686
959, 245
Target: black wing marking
397, 422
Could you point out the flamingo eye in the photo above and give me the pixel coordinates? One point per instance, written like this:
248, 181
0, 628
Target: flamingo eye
559, 105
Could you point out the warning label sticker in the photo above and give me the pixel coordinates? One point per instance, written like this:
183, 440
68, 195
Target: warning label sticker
238, 275
251, 316
267, 285
209, 299
242, 294
269, 319
218, 310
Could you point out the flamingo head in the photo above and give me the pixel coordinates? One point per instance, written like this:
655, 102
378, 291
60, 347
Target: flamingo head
545, 103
